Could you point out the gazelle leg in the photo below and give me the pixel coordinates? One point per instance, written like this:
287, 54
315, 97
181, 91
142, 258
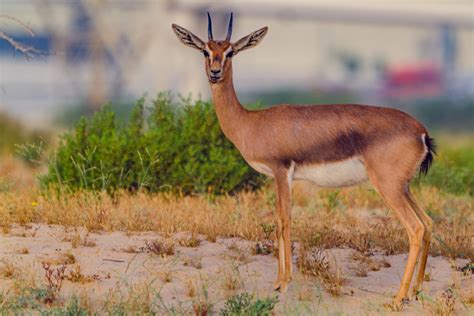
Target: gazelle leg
395, 197
428, 223
281, 252
283, 230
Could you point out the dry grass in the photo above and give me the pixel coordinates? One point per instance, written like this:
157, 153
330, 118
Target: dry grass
195, 262
77, 276
232, 280
316, 262
189, 241
133, 249
124, 298
368, 262
201, 304
250, 216
191, 289
162, 248
8, 269
23, 251
237, 253
66, 258
353, 217
166, 275
442, 305
77, 240
54, 277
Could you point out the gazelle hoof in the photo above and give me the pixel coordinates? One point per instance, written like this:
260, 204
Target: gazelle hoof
417, 290
280, 285
277, 285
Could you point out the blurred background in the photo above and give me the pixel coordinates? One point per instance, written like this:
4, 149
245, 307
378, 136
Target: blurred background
414, 55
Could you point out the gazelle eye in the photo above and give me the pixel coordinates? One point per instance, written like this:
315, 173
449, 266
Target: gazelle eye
229, 54
205, 53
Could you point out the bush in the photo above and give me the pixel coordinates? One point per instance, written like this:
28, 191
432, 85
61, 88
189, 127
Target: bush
180, 149
452, 170
244, 304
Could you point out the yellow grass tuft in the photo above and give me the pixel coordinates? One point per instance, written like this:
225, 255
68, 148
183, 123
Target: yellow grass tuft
315, 262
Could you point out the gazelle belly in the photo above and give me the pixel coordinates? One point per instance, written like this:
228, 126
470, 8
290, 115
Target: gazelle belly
262, 168
334, 174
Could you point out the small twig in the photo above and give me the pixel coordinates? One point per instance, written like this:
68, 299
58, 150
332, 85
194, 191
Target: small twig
28, 29
113, 260
28, 51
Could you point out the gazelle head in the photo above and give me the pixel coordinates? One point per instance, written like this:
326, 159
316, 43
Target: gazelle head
218, 54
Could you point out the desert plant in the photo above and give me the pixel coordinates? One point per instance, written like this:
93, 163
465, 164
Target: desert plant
179, 147
245, 304
314, 262
160, 248
30, 153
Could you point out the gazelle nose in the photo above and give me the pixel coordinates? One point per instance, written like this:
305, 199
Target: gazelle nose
215, 71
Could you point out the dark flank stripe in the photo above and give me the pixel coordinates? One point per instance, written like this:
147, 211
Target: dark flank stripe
341, 147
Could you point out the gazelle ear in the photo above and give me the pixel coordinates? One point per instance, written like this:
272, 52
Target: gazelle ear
250, 40
188, 38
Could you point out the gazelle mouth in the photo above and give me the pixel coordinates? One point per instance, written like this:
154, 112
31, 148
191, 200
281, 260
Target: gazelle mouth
214, 79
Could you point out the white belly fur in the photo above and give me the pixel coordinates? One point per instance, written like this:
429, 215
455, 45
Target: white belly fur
262, 168
334, 174
331, 175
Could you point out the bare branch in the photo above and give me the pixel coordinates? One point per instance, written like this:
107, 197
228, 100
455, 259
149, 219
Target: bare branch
28, 29
29, 51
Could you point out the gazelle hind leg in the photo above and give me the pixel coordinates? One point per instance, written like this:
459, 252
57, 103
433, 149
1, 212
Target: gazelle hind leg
428, 223
393, 193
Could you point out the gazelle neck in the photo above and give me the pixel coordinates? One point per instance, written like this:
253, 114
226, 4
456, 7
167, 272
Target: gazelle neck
228, 108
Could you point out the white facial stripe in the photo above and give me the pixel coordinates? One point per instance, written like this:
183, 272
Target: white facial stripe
211, 55
225, 54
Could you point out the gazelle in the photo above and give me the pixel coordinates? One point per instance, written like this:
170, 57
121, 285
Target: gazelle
330, 145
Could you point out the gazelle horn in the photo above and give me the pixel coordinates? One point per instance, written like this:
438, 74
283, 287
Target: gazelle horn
229, 29
209, 27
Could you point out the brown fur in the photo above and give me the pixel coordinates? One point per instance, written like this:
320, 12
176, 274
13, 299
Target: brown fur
388, 142
310, 134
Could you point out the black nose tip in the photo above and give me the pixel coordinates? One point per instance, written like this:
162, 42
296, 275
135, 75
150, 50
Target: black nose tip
215, 72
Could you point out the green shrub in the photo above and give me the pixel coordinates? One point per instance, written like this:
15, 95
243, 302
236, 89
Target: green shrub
244, 304
179, 148
453, 169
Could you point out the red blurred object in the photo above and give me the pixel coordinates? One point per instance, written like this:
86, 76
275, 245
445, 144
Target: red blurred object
418, 80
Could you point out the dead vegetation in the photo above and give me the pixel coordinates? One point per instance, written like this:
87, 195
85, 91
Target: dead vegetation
160, 248
195, 262
317, 263
190, 240
8, 269
23, 251
77, 240
350, 218
366, 263
75, 275
54, 277
250, 216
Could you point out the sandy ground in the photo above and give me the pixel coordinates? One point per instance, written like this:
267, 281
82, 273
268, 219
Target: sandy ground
109, 261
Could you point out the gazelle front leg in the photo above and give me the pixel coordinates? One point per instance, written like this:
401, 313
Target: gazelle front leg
283, 208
